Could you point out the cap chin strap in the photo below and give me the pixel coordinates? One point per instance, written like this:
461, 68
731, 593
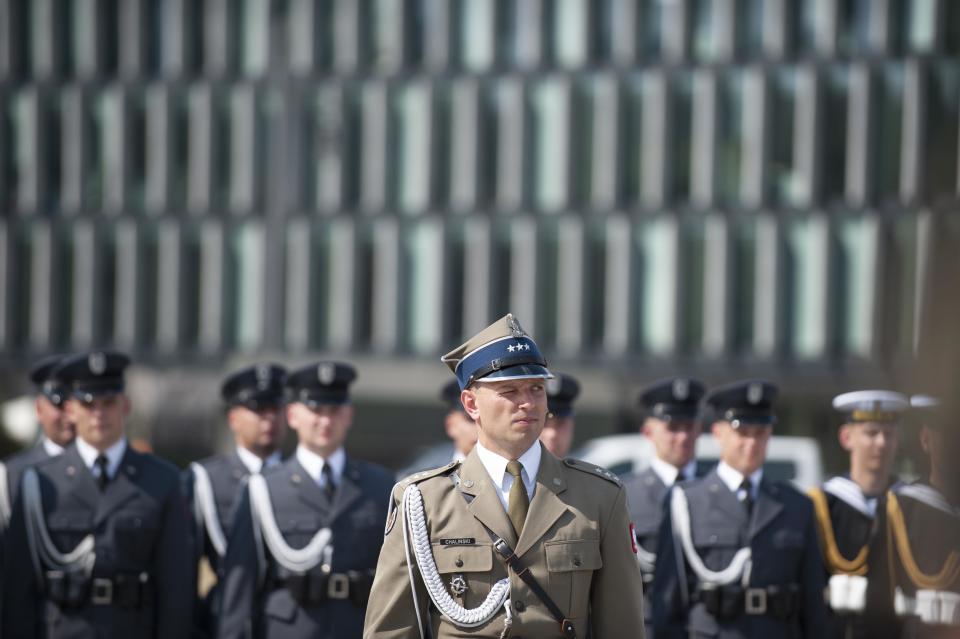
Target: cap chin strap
739, 566
206, 508
295, 560
416, 537
43, 552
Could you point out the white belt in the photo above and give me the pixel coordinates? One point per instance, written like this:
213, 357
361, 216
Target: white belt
848, 593
934, 607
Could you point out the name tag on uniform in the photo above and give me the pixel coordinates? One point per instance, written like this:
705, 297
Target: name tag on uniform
459, 541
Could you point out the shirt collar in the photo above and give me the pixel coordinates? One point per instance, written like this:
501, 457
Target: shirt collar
52, 449
255, 463
313, 463
667, 472
114, 455
733, 478
497, 466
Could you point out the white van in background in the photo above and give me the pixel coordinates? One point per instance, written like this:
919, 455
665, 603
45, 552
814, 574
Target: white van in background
795, 459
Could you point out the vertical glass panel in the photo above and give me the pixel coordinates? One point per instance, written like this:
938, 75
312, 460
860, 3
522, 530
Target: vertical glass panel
50, 112
802, 23
808, 249
703, 30
97, 121
633, 141
748, 28
834, 131
413, 105
572, 18
889, 132
729, 137
781, 174
551, 108
743, 289
248, 264
601, 37
853, 34
136, 151
943, 118
256, 36
923, 26
476, 41
658, 244
855, 276
424, 247
650, 28
179, 146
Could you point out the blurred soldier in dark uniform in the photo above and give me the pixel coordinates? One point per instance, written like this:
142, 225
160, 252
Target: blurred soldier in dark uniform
303, 547
57, 432
846, 505
672, 423
461, 430
916, 573
254, 401
738, 555
557, 433
100, 536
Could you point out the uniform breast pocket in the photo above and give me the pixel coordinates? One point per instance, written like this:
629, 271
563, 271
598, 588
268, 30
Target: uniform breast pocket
570, 566
298, 532
67, 530
467, 571
716, 545
137, 534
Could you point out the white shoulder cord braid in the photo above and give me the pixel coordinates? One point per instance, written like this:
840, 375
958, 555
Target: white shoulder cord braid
739, 565
43, 551
417, 527
206, 504
4, 498
295, 560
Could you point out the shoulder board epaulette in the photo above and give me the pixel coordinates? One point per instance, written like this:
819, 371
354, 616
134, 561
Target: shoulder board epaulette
427, 474
592, 469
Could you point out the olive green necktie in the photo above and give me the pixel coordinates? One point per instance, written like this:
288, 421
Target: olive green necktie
518, 501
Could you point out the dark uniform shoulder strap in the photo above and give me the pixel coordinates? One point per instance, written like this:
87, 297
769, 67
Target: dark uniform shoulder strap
592, 469
416, 478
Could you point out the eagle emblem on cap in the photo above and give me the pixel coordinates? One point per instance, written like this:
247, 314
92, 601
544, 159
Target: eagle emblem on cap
514, 324
681, 388
326, 372
755, 393
262, 372
97, 363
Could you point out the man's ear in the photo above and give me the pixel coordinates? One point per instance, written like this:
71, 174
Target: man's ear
468, 397
926, 438
845, 436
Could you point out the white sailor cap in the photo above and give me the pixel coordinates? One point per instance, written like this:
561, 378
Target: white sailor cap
872, 405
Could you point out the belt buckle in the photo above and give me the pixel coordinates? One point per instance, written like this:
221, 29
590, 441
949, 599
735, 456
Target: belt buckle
755, 601
102, 592
338, 586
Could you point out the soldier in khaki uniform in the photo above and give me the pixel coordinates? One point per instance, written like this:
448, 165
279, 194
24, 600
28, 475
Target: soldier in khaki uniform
511, 542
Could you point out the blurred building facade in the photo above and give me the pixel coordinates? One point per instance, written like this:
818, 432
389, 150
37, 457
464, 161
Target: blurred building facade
735, 186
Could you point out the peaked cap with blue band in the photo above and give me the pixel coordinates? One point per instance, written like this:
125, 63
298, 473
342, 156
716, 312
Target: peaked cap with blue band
499, 352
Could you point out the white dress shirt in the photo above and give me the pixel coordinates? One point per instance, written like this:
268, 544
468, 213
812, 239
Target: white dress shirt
668, 472
733, 478
254, 463
51, 448
313, 464
114, 455
497, 469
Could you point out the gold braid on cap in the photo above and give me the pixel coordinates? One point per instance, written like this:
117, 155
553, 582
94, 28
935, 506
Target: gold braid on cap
836, 563
897, 533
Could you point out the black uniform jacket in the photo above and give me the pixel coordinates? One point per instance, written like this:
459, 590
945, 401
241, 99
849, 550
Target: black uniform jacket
140, 527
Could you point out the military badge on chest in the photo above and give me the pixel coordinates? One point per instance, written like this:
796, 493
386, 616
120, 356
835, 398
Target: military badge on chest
458, 585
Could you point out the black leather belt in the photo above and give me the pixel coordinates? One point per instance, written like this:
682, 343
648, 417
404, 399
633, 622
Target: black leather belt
74, 590
726, 602
314, 588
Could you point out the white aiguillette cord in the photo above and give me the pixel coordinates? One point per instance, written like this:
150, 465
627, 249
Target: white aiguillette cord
296, 560
415, 536
739, 565
203, 493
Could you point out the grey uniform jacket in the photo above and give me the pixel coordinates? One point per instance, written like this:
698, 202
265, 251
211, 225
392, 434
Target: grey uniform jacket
301, 508
19, 462
139, 524
785, 550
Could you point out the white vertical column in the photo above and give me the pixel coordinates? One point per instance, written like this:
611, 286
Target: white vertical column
386, 284
256, 37
753, 167
572, 20
703, 138
623, 32
464, 144
200, 125
605, 142
83, 283
811, 242
570, 284
861, 241
528, 35
424, 301
127, 309
212, 285
826, 24
216, 36
328, 146
340, 304
806, 141
298, 257
510, 146
158, 132
42, 44
654, 134
87, 38
73, 140
660, 306
251, 289
859, 148
774, 35
373, 156
767, 299
716, 286
243, 148
346, 34
114, 141
301, 43
173, 40
27, 131
388, 35
478, 34
436, 39
416, 106
169, 305
42, 252
674, 31
618, 282
913, 138
552, 103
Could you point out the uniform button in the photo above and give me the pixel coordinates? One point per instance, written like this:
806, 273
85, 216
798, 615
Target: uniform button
459, 562
713, 538
519, 606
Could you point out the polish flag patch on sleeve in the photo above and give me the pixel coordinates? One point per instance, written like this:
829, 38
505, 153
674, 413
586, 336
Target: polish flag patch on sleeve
633, 538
